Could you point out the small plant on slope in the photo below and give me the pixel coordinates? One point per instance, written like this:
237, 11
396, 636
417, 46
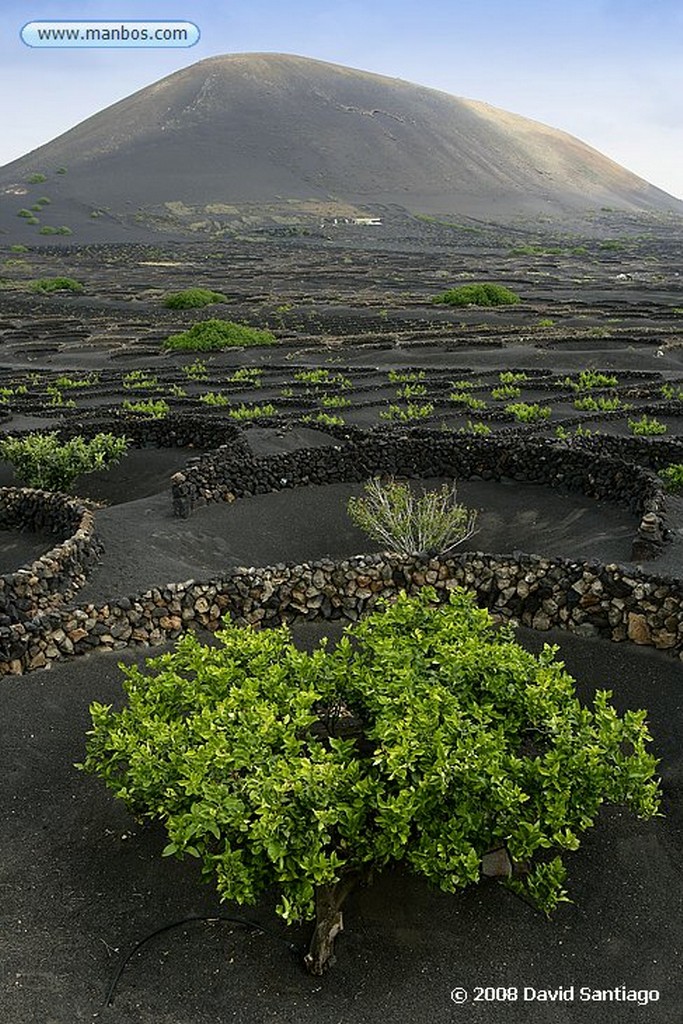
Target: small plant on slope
433, 523
426, 737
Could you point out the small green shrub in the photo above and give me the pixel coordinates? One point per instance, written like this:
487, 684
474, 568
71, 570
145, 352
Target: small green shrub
406, 413
525, 413
324, 419
138, 379
469, 401
45, 230
406, 376
56, 284
57, 398
63, 230
252, 412
249, 375
154, 409
43, 461
480, 429
391, 514
193, 298
646, 426
196, 370
505, 393
672, 393
215, 398
61, 170
335, 401
36, 179
19, 248
478, 295
411, 391
512, 377
589, 379
211, 335
599, 404
673, 477
25, 213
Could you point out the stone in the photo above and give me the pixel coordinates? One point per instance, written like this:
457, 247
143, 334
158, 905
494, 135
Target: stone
638, 629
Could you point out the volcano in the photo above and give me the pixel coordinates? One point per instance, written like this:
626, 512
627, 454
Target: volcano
286, 139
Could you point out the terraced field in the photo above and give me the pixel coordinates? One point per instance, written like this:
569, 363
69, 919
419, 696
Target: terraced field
535, 405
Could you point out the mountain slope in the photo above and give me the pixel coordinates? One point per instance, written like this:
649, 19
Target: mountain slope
301, 137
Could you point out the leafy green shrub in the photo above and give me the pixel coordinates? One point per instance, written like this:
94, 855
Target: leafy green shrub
155, 409
599, 404
510, 377
406, 376
404, 414
324, 419
44, 201
525, 413
411, 391
478, 295
57, 398
25, 213
469, 401
43, 461
61, 170
19, 248
192, 298
589, 379
335, 401
672, 393
481, 429
56, 284
390, 513
646, 426
214, 398
217, 334
248, 375
63, 230
425, 737
505, 392
673, 477
32, 220
252, 412
196, 370
36, 179
138, 379
46, 230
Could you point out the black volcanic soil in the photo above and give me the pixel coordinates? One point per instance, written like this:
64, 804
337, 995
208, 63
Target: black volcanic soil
82, 883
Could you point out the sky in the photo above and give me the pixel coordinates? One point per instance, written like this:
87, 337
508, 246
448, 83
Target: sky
609, 71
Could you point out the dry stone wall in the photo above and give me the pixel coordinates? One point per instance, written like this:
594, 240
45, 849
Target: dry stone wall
56, 575
590, 599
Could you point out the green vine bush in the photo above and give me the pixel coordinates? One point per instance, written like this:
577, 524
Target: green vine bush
433, 523
209, 335
425, 736
43, 461
478, 295
673, 477
192, 298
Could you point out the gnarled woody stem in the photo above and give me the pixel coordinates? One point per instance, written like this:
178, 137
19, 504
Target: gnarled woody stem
328, 921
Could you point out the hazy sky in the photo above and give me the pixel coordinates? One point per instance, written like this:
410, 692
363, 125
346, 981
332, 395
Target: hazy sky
607, 71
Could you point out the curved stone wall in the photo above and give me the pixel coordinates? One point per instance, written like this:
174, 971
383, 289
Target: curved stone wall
55, 576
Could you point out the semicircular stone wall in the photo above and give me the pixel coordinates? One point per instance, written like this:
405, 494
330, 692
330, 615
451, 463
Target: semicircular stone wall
591, 599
